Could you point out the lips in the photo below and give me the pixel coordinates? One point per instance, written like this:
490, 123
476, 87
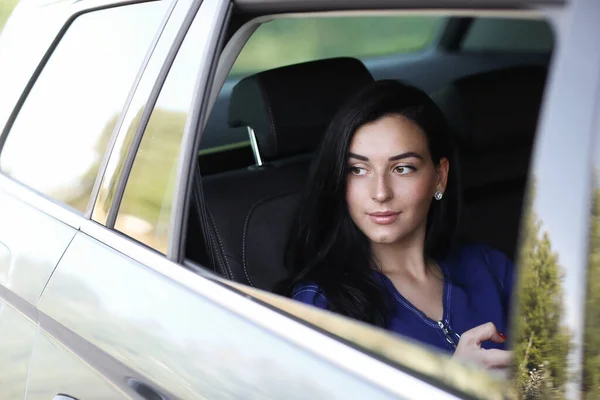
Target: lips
384, 217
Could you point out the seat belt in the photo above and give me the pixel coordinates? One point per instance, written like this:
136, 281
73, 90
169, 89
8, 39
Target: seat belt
205, 225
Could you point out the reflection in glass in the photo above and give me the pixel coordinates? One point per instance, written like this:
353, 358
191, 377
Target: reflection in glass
58, 140
132, 116
145, 210
542, 340
591, 349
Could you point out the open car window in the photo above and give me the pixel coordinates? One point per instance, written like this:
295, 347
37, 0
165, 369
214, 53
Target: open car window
249, 206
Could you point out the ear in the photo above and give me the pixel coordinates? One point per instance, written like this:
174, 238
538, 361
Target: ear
443, 168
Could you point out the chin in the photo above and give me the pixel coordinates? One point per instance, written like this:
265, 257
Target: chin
383, 238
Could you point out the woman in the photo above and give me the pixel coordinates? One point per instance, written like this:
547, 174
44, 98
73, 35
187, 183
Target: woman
373, 239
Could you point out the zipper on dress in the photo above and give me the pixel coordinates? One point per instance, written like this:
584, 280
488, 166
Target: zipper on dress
448, 333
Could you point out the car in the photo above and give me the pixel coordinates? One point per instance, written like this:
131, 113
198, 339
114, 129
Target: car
151, 157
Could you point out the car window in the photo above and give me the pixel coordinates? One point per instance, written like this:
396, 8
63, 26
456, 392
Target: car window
287, 41
293, 40
501, 34
251, 209
145, 209
58, 139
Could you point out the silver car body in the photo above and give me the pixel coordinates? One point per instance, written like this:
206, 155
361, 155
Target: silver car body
88, 313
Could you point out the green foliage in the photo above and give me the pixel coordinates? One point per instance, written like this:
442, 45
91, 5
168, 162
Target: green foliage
591, 351
542, 341
292, 40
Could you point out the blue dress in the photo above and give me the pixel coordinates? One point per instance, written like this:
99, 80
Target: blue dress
478, 283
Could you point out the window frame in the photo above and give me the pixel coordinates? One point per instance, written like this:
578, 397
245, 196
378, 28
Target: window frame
555, 19
197, 13
147, 112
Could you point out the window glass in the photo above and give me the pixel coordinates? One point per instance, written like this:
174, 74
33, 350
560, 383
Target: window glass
145, 210
292, 40
59, 137
503, 34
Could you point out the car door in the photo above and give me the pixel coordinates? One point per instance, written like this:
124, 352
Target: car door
23, 274
50, 152
41, 207
148, 325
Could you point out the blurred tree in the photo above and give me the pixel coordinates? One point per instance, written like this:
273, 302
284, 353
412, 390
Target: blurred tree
542, 341
591, 350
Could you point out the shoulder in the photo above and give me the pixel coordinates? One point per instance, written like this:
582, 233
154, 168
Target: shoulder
310, 294
477, 258
478, 252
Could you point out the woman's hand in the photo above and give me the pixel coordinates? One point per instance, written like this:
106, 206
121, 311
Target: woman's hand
469, 348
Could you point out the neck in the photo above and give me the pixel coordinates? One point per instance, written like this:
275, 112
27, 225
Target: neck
406, 258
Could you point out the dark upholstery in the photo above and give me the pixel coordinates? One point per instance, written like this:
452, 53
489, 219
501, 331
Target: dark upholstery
289, 108
251, 210
494, 111
494, 117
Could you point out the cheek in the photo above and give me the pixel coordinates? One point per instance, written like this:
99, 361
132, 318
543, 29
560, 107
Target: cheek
417, 191
355, 195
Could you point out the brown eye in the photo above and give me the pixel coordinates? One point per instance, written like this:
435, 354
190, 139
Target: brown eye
403, 170
357, 171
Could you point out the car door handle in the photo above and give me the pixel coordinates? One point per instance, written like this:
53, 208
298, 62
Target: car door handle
63, 397
146, 391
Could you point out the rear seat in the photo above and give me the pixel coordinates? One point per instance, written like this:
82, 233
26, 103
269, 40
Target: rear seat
494, 117
250, 211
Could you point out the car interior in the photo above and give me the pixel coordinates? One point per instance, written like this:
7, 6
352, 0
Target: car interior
486, 74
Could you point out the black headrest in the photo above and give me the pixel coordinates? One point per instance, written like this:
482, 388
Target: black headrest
290, 107
494, 111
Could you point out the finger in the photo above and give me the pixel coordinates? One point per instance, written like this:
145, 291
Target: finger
484, 332
494, 358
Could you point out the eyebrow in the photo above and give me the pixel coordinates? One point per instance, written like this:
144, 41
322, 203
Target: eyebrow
397, 157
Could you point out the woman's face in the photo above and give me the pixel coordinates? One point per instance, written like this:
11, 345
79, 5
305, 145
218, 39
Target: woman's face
392, 180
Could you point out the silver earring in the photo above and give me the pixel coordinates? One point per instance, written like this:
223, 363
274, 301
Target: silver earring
438, 195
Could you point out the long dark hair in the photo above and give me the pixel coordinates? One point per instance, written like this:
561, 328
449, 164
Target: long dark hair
325, 246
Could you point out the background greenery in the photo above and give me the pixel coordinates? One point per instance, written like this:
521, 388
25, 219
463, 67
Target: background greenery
542, 341
292, 40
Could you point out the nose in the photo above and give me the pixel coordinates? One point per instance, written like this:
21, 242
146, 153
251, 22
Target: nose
382, 191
